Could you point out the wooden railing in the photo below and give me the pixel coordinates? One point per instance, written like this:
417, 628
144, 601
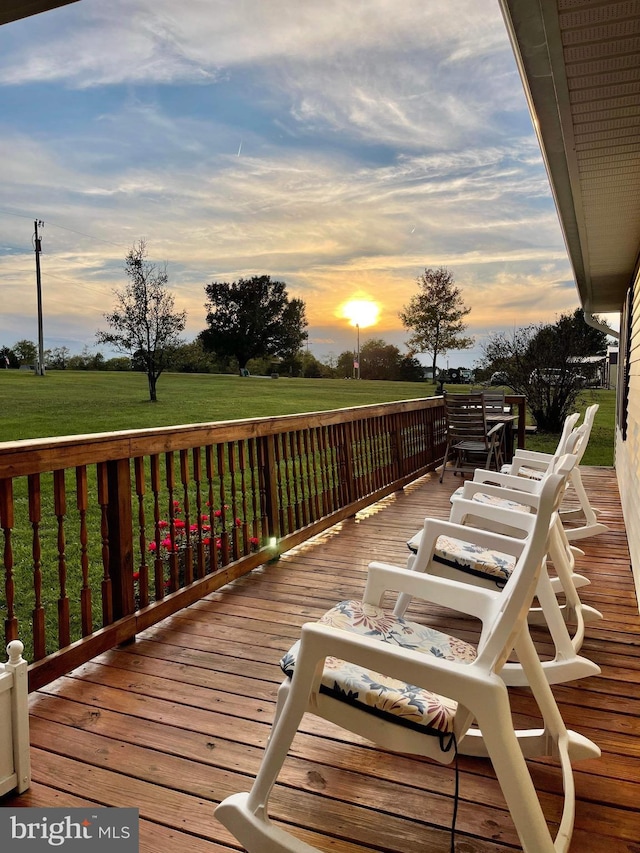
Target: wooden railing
106, 534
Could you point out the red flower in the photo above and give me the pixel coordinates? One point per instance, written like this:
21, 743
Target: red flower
254, 540
193, 528
206, 540
218, 543
218, 513
136, 575
238, 522
162, 523
152, 546
166, 543
179, 524
204, 518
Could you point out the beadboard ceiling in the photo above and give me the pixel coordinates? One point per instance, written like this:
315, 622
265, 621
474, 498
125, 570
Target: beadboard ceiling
13, 10
580, 64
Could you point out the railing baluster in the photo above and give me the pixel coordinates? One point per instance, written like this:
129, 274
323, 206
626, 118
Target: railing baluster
158, 563
197, 479
296, 480
315, 463
37, 614
186, 555
258, 501
82, 502
213, 539
231, 456
143, 571
224, 515
103, 501
7, 520
60, 510
242, 460
309, 489
170, 476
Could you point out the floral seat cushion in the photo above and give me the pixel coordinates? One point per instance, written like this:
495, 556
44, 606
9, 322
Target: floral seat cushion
415, 707
468, 557
524, 471
493, 500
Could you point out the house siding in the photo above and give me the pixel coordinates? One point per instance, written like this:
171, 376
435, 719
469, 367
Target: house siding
628, 426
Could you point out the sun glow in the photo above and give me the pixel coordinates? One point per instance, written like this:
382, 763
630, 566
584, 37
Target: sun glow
360, 312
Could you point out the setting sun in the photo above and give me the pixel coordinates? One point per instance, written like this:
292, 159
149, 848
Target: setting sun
360, 312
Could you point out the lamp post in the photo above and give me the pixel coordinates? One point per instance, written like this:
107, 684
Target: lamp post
359, 312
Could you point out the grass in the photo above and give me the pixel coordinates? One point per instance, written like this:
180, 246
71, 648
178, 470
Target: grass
75, 403
78, 402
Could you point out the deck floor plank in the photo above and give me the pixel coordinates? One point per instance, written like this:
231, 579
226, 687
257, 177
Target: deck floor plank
174, 722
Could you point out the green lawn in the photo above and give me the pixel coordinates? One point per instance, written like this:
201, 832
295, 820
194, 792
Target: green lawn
77, 402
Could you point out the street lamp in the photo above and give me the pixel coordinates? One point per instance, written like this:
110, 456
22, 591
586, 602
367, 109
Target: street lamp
360, 312
356, 361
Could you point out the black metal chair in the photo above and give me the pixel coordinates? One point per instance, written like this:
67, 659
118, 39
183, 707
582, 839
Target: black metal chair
471, 442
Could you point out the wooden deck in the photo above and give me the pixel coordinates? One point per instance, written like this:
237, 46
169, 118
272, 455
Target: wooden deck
178, 720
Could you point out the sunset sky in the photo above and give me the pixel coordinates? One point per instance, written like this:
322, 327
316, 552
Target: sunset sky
340, 147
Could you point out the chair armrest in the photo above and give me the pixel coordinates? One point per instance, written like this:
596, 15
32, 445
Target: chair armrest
459, 681
519, 462
528, 498
494, 518
455, 595
507, 481
534, 455
495, 429
435, 527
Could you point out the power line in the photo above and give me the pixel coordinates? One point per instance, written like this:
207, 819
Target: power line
65, 228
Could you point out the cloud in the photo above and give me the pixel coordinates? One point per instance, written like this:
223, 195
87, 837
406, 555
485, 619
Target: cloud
338, 147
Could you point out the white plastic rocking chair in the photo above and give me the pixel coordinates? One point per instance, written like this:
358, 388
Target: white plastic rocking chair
415, 690
509, 512
532, 464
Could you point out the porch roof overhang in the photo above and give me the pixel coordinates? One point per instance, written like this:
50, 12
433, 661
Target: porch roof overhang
13, 10
580, 65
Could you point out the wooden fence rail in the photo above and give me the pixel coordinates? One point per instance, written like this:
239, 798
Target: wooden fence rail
106, 534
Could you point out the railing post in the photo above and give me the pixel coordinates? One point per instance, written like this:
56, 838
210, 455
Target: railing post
269, 472
120, 519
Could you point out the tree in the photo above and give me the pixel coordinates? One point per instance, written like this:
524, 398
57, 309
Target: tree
57, 358
381, 361
26, 352
8, 358
144, 319
253, 318
192, 358
436, 316
538, 361
584, 340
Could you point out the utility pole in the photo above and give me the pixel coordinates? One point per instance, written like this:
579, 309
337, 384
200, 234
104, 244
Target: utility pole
38, 249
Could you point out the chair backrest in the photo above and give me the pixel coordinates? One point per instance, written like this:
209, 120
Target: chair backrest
493, 402
512, 604
466, 418
585, 431
569, 423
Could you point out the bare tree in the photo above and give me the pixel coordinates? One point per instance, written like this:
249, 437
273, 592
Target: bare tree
436, 315
144, 321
